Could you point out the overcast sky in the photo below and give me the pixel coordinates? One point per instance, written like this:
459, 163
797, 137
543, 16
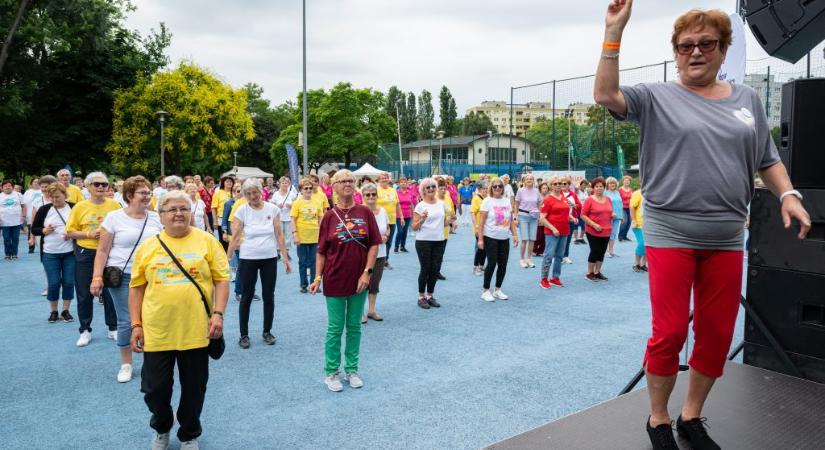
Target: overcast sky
477, 48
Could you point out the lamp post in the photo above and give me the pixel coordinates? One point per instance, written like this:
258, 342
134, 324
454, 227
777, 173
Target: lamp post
235, 159
568, 114
305, 114
400, 155
162, 119
440, 136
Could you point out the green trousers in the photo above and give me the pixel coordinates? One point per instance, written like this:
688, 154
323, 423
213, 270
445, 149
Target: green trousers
344, 312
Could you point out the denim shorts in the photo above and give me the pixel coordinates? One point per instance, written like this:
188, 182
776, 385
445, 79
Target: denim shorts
527, 227
616, 225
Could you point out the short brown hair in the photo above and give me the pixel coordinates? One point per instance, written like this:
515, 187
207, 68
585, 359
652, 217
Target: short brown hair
131, 185
305, 182
699, 19
55, 187
598, 180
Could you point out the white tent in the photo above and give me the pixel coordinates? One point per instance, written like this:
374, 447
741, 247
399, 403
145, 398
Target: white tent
247, 172
367, 170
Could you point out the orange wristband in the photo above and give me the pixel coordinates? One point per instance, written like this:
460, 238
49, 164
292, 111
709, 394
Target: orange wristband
611, 45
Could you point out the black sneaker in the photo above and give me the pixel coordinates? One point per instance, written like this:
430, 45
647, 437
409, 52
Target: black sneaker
662, 436
600, 276
591, 277
644, 268
694, 432
53, 317
441, 277
67, 317
433, 302
395, 251
269, 339
304, 289
404, 250
637, 268
244, 342
422, 303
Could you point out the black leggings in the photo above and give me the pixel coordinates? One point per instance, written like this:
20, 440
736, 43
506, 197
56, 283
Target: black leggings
430, 255
497, 251
478, 260
598, 246
248, 270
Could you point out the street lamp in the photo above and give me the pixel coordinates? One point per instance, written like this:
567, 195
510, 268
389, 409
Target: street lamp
400, 155
235, 161
440, 136
568, 114
162, 118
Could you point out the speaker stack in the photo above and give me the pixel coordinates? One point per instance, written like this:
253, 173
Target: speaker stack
786, 276
786, 29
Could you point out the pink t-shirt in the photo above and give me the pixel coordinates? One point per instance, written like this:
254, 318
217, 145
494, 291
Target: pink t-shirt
453, 190
601, 213
407, 198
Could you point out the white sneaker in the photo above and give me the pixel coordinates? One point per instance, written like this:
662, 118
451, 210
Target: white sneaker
334, 383
124, 375
112, 335
478, 272
523, 264
487, 296
191, 445
84, 339
160, 441
500, 295
530, 264
567, 260
354, 380
45, 291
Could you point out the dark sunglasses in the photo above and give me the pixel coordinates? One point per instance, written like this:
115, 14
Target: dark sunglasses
99, 184
430, 187
497, 186
307, 188
371, 194
686, 48
565, 183
556, 184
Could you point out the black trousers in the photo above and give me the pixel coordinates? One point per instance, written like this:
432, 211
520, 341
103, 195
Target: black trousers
157, 379
598, 247
478, 260
498, 251
430, 256
248, 270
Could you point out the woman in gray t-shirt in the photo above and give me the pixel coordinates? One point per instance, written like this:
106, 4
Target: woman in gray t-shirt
696, 131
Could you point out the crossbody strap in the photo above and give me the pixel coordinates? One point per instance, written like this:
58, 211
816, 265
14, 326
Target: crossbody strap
136, 242
186, 274
59, 215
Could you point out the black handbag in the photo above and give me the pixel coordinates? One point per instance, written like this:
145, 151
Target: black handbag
113, 276
216, 345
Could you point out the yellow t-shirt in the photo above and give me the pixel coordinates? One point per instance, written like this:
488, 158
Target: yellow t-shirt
449, 211
388, 199
321, 198
172, 313
636, 202
219, 199
238, 203
74, 194
475, 207
87, 217
307, 215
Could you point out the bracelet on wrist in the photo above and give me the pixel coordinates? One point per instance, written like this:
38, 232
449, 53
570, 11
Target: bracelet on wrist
610, 55
97, 278
137, 325
220, 313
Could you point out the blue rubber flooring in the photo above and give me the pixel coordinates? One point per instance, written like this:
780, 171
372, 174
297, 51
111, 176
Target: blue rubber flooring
460, 377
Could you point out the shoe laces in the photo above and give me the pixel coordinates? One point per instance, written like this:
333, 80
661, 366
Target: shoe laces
664, 436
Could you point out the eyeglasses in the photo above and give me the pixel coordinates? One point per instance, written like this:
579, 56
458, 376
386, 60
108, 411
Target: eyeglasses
144, 193
371, 194
307, 188
346, 181
429, 188
497, 186
100, 184
176, 211
686, 48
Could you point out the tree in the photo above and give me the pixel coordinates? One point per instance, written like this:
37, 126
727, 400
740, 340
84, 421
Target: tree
408, 120
425, 121
607, 133
542, 134
447, 111
394, 95
345, 125
268, 123
207, 121
776, 134
56, 89
4, 53
473, 124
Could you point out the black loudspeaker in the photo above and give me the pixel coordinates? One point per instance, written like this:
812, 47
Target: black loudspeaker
786, 287
802, 131
786, 29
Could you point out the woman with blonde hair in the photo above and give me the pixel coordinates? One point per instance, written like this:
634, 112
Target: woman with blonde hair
495, 228
528, 203
429, 222
556, 217
369, 193
199, 213
306, 215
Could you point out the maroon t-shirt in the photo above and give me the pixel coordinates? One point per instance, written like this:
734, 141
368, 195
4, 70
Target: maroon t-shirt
346, 252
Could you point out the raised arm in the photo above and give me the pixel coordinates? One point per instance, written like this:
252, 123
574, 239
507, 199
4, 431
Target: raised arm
606, 90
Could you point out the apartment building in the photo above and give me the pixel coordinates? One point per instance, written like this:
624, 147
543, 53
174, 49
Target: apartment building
525, 115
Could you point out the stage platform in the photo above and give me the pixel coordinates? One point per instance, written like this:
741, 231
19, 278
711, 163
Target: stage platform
748, 409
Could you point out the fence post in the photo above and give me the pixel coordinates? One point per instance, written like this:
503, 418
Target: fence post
809, 65
510, 145
768, 94
553, 134
665, 71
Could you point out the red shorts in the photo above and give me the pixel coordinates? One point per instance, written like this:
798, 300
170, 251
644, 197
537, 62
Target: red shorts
715, 277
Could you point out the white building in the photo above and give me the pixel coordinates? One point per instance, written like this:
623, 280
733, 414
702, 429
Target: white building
479, 149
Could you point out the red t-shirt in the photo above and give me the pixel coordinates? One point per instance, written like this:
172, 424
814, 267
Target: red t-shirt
558, 213
601, 213
577, 204
625, 197
206, 196
346, 252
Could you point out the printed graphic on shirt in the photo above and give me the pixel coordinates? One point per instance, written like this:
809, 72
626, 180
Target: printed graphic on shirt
167, 273
9, 202
746, 117
502, 216
309, 213
355, 229
93, 221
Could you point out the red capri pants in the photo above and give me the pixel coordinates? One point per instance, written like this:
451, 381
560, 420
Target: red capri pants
716, 279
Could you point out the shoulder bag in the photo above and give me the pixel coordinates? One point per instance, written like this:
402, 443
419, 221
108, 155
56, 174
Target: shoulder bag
113, 276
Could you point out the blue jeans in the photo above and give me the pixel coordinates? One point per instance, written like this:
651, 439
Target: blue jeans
391, 227
59, 269
84, 266
120, 298
11, 239
553, 252
306, 261
626, 224
614, 231
401, 237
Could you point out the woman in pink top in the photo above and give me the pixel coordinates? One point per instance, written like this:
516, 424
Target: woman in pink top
597, 213
408, 198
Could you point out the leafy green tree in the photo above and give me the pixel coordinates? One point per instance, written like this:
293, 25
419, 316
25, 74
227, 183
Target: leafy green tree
344, 125
606, 133
207, 121
776, 133
425, 120
408, 120
551, 145
268, 122
448, 112
56, 90
394, 95
473, 124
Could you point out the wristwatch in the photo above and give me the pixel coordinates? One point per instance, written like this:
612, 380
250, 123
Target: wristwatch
791, 192
368, 270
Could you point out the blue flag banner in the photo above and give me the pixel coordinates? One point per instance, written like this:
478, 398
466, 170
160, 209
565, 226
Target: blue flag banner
292, 157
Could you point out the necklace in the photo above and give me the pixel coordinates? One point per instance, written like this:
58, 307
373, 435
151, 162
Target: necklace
345, 211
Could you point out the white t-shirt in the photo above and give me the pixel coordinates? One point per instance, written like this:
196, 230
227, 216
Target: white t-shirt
125, 231
158, 192
258, 231
53, 242
508, 191
199, 212
499, 215
284, 202
383, 221
432, 229
10, 212
33, 199
119, 198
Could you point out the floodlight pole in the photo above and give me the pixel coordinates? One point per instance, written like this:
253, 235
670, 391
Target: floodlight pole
305, 143
400, 155
162, 118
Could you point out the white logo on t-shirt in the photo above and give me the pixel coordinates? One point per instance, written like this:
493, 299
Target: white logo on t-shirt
746, 117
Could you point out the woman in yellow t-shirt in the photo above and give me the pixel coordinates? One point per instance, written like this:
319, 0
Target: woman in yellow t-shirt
83, 225
475, 209
170, 322
636, 209
388, 199
306, 216
219, 199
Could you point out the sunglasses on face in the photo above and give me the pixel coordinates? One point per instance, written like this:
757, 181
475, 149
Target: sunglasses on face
686, 48
430, 187
371, 194
555, 184
565, 183
307, 188
497, 186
